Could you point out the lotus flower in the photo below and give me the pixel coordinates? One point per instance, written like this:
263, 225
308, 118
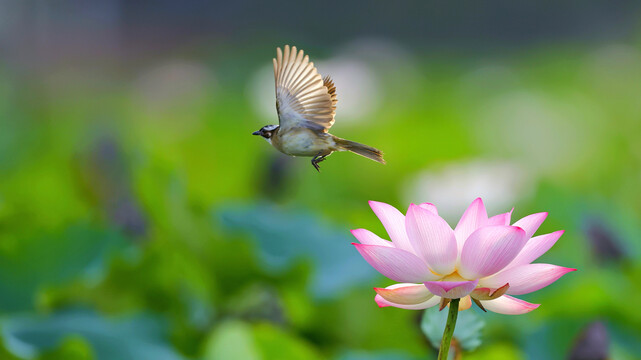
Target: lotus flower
485, 260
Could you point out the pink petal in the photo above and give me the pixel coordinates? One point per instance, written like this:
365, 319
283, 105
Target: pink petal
429, 206
405, 294
451, 289
500, 219
474, 217
369, 238
508, 305
531, 223
535, 247
435, 300
396, 264
394, 223
525, 279
432, 239
489, 249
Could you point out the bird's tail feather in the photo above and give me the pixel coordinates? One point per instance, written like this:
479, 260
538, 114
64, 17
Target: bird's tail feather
360, 149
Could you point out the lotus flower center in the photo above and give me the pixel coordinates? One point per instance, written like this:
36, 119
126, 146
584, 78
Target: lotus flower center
454, 277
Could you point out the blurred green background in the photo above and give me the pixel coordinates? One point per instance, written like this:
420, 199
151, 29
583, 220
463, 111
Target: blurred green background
139, 219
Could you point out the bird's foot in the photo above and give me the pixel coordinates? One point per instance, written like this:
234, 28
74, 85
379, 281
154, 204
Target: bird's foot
316, 159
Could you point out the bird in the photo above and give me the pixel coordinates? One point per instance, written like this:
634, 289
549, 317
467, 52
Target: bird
306, 107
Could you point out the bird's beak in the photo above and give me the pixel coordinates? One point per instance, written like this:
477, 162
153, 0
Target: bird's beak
256, 132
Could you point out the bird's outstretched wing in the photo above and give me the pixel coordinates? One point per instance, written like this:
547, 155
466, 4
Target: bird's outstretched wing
303, 98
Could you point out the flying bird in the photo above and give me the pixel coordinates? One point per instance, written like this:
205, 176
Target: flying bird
306, 106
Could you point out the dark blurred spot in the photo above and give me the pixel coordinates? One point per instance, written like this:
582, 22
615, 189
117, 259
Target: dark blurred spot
106, 180
592, 344
129, 217
258, 302
277, 170
604, 242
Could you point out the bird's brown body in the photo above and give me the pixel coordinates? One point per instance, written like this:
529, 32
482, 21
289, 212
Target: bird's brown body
303, 142
306, 105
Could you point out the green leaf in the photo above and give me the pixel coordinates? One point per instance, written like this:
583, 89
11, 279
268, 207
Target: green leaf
275, 343
33, 263
379, 355
72, 348
235, 340
467, 331
232, 340
140, 337
284, 237
499, 351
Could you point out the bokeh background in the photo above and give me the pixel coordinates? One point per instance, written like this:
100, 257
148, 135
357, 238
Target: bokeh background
139, 219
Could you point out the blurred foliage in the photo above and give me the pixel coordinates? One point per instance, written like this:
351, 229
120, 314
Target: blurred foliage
467, 333
287, 237
140, 196
27, 265
80, 334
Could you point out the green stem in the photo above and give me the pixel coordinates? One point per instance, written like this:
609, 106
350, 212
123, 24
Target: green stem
449, 330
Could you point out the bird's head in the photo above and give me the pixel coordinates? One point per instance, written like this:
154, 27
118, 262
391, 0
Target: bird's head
266, 131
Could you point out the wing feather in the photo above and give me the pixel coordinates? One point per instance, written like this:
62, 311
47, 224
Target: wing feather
305, 77
296, 66
301, 72
303, 97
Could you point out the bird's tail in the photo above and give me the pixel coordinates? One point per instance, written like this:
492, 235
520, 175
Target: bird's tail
360, 149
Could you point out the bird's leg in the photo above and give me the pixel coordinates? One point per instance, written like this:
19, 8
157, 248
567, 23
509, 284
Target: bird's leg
316, 159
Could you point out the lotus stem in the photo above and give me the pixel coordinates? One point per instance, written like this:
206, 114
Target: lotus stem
449, 330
